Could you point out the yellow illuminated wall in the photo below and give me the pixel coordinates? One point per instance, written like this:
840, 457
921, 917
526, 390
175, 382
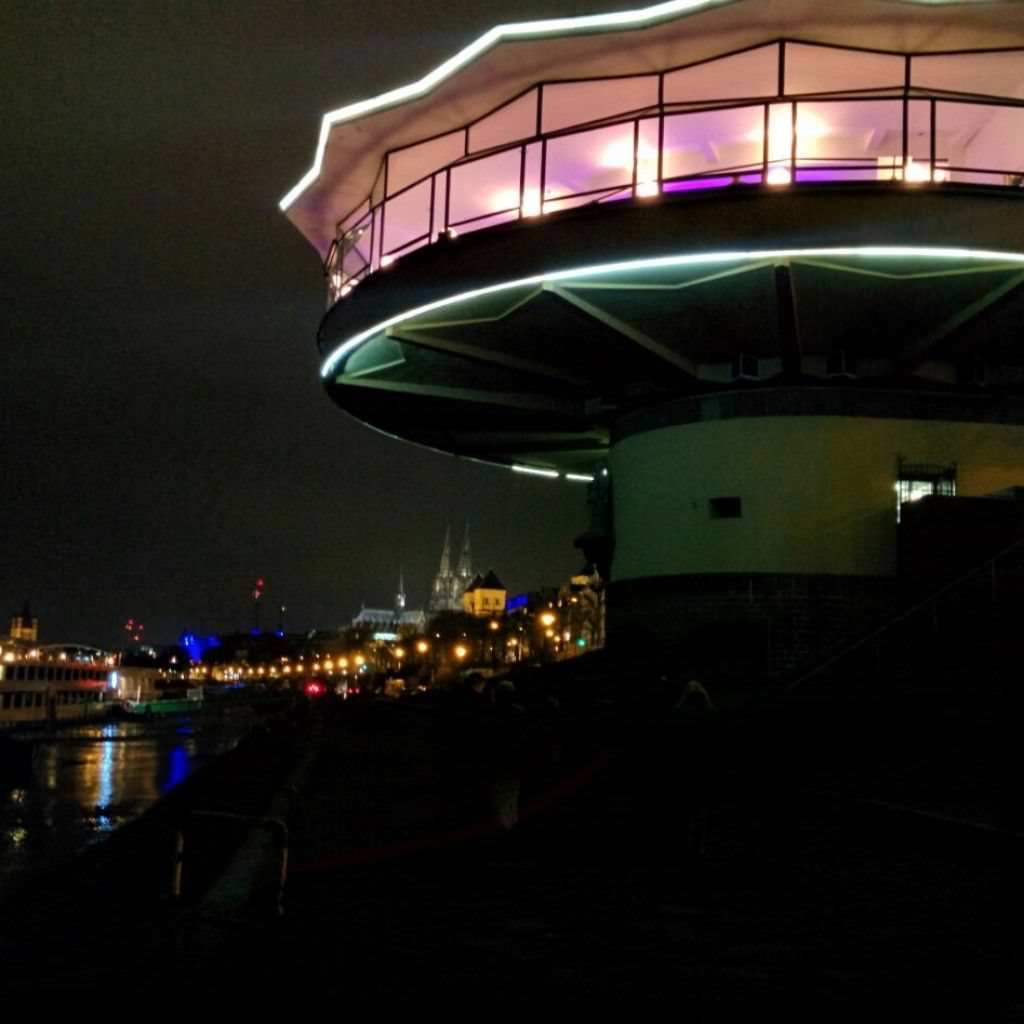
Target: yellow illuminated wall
25, 629
817, 492
480, 601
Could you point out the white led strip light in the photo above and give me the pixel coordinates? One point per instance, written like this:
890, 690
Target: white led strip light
661, 262
516, 30
551, 474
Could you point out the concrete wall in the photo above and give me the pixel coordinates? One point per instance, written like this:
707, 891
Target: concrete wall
748, 626
817, 492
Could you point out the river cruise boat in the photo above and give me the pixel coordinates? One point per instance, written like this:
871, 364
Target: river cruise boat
47, 686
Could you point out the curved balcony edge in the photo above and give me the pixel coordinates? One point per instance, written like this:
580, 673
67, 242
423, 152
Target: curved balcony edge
733, 220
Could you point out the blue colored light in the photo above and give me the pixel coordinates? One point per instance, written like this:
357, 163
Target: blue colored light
177, 768
196, 646
190, 642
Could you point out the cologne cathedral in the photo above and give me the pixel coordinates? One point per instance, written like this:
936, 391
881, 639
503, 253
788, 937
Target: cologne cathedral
446, 593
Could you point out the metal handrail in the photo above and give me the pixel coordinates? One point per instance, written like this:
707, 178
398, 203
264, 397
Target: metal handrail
441, 222
989, 566
271, 824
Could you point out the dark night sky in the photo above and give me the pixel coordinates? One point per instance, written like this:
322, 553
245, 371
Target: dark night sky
165, 438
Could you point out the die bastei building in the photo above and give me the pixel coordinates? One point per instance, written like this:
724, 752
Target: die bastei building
753, 269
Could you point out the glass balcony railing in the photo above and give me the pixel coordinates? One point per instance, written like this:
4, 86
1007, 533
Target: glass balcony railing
563, 145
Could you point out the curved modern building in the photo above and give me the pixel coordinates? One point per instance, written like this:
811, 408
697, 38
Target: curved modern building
756, 268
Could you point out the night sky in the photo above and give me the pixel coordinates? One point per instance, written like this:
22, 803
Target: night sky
165, 438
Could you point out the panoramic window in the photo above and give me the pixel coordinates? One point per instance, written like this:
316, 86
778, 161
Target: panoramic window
830, 69
920, 480
989, 74
407, 219
485, 188
571, 103
515, 120
751, 73
779, 114
406, 166
725, 508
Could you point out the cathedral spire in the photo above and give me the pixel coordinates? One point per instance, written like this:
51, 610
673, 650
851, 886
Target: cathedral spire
400, 596
465, 563
446, 555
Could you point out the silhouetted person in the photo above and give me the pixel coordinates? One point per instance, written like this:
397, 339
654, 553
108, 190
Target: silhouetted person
459, 752
693, 763
508, 734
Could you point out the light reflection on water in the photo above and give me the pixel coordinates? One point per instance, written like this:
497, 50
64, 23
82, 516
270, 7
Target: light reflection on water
91, 779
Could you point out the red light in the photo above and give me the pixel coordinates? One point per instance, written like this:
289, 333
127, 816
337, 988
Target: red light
314, 689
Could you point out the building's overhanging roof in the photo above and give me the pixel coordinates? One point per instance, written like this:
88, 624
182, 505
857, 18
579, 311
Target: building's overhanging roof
480, 380
353, 139
710, 264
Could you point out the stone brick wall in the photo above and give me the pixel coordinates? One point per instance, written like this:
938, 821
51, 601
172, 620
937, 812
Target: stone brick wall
759, 625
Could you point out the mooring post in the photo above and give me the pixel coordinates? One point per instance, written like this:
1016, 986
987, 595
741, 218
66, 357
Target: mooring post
179, 858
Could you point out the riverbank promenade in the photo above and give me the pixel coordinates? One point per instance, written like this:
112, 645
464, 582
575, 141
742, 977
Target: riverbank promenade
815, 891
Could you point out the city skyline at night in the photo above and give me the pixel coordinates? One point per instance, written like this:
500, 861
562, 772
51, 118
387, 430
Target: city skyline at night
165, 438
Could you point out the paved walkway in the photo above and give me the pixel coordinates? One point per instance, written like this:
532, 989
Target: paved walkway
386, 903
389, 903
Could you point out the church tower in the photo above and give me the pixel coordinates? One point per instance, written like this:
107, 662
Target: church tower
440, 593
25, 627
446, 593
465, 573
400, 596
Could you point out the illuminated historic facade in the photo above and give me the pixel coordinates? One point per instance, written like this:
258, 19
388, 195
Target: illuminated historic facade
485, 596
24, 627
759, 261
397, 620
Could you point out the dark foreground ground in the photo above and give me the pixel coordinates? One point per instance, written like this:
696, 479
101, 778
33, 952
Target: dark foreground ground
822, 887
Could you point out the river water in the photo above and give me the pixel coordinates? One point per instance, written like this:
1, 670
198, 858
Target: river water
89, 780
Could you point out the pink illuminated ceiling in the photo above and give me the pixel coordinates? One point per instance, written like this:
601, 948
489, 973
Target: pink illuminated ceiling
873, 117
349, 162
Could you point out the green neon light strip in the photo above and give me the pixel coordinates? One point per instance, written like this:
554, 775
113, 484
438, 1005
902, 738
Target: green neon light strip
661, 262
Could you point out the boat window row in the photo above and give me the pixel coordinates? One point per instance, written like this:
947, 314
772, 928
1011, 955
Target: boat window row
52, 673
782, 114
37, 699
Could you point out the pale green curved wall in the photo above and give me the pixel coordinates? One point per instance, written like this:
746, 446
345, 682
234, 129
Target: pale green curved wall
818, 491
